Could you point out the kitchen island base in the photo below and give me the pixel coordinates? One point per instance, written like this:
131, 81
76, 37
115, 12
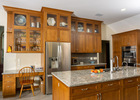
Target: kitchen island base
125, 89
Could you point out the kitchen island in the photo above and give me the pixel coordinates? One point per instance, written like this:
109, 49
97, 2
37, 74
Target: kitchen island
82, 85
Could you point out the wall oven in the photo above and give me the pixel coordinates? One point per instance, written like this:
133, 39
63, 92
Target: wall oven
129, 55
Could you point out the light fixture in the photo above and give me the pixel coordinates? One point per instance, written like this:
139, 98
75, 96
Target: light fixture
123, 9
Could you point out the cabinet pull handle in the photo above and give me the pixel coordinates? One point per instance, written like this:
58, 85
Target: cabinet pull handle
8, 76
8, 81
129, 81
100, 96
8, 86
110, 84
84, 89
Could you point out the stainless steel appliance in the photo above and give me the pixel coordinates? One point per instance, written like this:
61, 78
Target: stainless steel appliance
58, 58
129, 55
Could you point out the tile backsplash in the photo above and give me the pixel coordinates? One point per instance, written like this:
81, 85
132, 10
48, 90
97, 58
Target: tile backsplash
85, 57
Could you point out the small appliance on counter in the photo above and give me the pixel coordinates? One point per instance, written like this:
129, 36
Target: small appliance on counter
75, 61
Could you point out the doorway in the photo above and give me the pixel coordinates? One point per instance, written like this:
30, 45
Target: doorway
104, 57
1, 53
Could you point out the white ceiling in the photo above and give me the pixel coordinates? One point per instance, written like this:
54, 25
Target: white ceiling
111, 9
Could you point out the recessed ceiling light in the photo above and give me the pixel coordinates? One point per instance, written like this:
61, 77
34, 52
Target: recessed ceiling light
123, 9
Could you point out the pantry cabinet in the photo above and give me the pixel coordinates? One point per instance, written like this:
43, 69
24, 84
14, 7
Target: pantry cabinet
24, 34
57, 25
85, 36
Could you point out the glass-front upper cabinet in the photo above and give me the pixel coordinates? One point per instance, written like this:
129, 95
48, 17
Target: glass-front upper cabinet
35, 41
80, 27
20, 19
89, 28
63, 21
35, 21
97, 28
73, 26
19, 40
51, 20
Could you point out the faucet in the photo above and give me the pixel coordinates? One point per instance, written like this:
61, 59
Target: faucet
117, 67
111, 64
125, 63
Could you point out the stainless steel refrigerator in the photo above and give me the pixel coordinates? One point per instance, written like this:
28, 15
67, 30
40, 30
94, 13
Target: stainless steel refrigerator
58, 58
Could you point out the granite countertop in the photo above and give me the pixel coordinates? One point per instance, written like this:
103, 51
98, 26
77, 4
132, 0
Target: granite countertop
84, 77
16, 71
86, 64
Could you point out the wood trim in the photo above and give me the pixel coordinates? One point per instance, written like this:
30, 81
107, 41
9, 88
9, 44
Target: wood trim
11, 9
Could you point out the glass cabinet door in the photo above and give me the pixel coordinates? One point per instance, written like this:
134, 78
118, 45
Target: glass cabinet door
51, 20
63, 21
89, 28
73, 26
96, 28
35, 21
80, 27
20, 20
35, 41
19, 40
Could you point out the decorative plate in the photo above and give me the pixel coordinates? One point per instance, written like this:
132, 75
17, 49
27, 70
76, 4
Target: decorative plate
20, 20
51, 21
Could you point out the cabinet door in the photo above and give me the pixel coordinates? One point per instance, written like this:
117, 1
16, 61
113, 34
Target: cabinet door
112, 95
97, 43
64, 35
89, 97
52, 35
73, 36
35, 40
130, 93
116, 43
20, 40
132, 39
73, 42
80, 45
89, 43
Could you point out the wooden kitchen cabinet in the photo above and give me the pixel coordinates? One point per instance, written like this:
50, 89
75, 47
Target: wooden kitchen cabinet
92, 96
111, 95
130, 38
80, 43
86, 36
51, 35
90, 48
130, 93
98, 43
9, 85
57, 25
24, 34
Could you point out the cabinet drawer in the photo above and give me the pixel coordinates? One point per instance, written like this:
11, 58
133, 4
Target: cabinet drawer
112, 84
9, 77
9, 90
85, 89
130, 81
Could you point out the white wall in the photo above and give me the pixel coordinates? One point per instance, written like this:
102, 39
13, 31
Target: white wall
107, 33
128, 24
11, 59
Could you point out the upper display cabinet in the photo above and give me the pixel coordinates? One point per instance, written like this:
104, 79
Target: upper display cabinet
24, 30
57, 25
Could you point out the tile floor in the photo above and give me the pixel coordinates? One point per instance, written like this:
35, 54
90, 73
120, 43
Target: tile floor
27, 95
